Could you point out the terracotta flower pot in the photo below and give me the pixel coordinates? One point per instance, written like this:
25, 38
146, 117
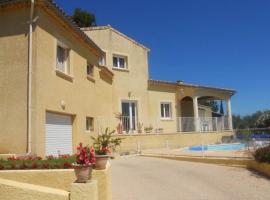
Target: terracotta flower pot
101, 161
83, 173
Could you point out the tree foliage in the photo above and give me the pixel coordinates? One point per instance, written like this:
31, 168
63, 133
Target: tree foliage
83, 18
259, 119
213, 104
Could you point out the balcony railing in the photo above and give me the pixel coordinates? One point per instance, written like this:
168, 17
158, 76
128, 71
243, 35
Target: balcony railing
131, 125
204, 124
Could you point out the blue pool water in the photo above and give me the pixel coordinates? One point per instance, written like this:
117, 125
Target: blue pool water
217, 147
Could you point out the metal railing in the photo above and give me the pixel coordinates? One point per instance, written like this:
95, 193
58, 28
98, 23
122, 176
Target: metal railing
202, 124
131, 125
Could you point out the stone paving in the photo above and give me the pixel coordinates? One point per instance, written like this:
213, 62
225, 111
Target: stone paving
143, 178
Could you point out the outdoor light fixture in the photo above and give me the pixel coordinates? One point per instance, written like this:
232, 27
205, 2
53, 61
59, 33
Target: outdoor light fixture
63, 104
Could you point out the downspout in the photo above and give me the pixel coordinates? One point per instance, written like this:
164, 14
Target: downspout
29, 86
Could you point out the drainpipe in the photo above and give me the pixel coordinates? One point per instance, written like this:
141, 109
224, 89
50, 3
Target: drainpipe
29, 86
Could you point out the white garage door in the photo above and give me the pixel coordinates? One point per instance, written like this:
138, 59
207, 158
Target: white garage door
58, 130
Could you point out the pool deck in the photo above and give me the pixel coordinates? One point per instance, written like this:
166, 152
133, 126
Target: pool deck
245, 153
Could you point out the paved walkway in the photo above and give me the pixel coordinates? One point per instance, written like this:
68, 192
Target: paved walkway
141, 178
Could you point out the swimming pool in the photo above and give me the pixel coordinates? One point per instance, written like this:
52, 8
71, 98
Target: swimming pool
218, 147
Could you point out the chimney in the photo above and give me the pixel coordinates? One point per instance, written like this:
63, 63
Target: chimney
179, 82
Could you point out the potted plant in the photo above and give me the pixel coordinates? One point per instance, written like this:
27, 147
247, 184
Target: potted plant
103, 144
140, 127
119, 127
85, 159
148, 129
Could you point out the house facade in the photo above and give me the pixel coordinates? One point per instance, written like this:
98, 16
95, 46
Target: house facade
61, 84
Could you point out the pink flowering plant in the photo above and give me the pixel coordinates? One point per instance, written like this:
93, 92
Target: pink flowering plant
85, 156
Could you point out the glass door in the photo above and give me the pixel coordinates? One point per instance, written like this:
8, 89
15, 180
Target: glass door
129, 113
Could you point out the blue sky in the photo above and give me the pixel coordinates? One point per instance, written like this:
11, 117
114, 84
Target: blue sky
224, 43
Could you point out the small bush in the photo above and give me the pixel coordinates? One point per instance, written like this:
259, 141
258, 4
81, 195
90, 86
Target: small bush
45, 166
2, 167
67, 165
34, 165
262, 154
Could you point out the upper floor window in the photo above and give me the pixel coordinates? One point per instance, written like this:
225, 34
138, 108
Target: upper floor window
120, 62
166, 110
102, 61
90, 70
62, 59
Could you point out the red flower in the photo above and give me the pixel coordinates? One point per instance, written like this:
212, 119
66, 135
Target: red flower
50, 157
45, 166
39, 158
64, 156
85, 155
105, 150
12, 158
34, 165
67, 165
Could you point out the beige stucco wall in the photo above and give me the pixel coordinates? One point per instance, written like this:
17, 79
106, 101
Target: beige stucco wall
133, 143
22, 191
156, 97
82, 97
60, 179
128, 84
13, 79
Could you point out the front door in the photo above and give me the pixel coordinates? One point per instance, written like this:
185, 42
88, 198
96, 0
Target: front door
129, 113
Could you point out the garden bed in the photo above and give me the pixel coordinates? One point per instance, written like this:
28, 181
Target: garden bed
34, 162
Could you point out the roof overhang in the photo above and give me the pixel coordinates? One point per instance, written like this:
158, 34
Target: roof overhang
117, 32
176, 84
52, 9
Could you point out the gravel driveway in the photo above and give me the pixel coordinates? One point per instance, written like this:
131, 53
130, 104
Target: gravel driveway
141, 178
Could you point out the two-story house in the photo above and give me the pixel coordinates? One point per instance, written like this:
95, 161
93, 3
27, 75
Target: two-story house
60, 84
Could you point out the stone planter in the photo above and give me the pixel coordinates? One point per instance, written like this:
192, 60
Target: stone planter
83, 173
101, 161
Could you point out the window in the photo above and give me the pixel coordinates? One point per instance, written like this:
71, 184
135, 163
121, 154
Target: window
62, 59
166, 112
90, 70
102, 61
89, 124
120, 62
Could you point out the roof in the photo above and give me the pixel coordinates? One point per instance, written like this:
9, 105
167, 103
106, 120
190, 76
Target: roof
116, 31
231, 91
52, 6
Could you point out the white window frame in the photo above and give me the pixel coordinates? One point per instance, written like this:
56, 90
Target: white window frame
89, 127
102, 60
65, 66
118, 57
163, 111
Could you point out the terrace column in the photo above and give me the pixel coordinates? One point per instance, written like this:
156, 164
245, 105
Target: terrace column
196, 114
229, 113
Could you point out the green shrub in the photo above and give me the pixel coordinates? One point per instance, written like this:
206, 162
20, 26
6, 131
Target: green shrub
262, 154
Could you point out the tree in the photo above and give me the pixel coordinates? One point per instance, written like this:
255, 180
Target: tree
221, 110
258, 119
214, 105
83, 18
263, 120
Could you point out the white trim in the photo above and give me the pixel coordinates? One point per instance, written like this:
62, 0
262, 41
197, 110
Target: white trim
118, 56
67, 60
170, 111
